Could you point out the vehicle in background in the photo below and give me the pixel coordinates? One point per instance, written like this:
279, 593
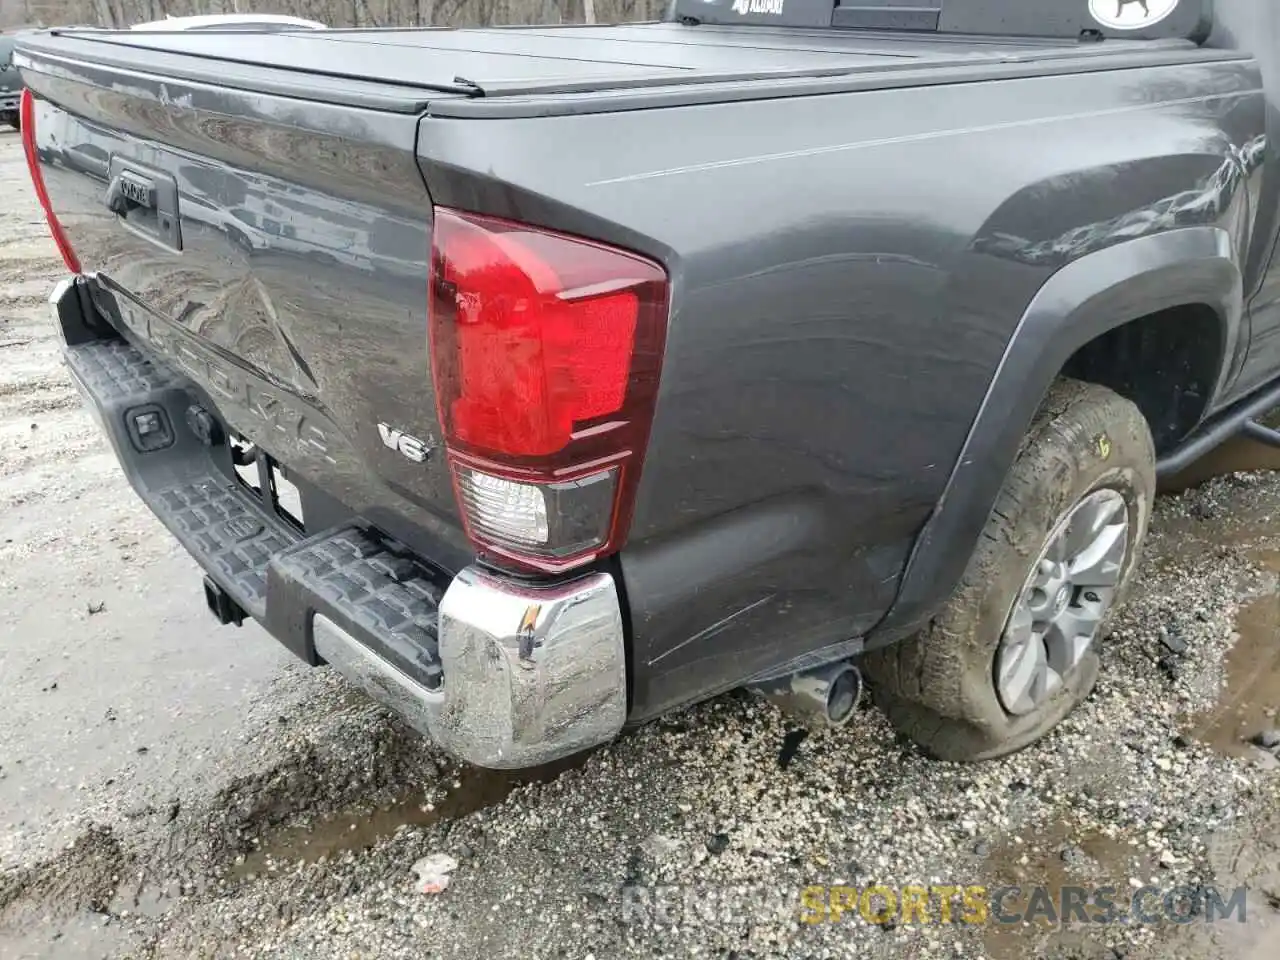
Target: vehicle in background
10, 82
248, 22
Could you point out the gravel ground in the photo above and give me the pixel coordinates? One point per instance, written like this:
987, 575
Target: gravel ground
171, 789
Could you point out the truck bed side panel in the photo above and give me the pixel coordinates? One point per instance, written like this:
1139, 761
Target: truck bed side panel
848, 271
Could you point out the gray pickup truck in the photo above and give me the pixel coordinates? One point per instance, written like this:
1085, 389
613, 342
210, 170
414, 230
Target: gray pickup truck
544, 380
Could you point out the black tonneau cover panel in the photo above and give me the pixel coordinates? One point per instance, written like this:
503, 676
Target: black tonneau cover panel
537, 60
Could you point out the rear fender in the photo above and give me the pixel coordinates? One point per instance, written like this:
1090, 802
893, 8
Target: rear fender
1086, 298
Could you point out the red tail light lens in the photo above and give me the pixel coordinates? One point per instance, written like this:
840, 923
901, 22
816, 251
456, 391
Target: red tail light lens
546, 350
27, 118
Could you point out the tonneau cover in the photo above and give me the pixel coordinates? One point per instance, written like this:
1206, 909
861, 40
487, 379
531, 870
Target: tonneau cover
547, 60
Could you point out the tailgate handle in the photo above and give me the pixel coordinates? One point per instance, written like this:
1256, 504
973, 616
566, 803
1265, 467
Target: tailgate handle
127, 191
146, 201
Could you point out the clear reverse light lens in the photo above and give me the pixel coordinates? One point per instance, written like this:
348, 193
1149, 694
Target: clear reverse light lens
504, 509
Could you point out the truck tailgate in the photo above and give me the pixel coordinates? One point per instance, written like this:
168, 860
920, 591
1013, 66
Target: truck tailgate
276, 253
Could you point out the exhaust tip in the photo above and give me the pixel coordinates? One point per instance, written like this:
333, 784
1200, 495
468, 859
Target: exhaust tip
826, 696
843, 695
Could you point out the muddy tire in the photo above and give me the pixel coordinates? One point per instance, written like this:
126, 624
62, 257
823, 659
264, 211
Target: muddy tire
940, 687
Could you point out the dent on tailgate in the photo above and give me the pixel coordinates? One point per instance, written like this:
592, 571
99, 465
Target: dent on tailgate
277, 251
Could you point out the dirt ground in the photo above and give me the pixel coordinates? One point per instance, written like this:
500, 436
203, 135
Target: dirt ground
172, 788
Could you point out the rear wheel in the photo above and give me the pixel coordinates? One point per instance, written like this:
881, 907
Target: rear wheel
1015, 648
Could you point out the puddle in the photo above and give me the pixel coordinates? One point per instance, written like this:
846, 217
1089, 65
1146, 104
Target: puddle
1057, 857
1234, 456
1248, 703
147, 901
335, 835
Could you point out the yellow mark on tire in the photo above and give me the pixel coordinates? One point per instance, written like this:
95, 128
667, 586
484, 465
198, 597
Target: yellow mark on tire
1103, 443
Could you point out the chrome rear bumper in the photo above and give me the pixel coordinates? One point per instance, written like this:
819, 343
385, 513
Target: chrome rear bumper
530, 674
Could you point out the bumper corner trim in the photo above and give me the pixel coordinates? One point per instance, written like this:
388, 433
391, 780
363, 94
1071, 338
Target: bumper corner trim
531, 674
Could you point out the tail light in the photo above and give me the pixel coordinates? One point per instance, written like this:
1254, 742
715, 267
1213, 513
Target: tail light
27, 118
545, 350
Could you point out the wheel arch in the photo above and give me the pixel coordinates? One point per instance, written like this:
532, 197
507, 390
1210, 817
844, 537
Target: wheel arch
1097, 293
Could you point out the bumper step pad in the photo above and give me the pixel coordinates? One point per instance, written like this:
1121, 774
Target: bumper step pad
117, 372
373, 588
369, 584
213, 521
212, 515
